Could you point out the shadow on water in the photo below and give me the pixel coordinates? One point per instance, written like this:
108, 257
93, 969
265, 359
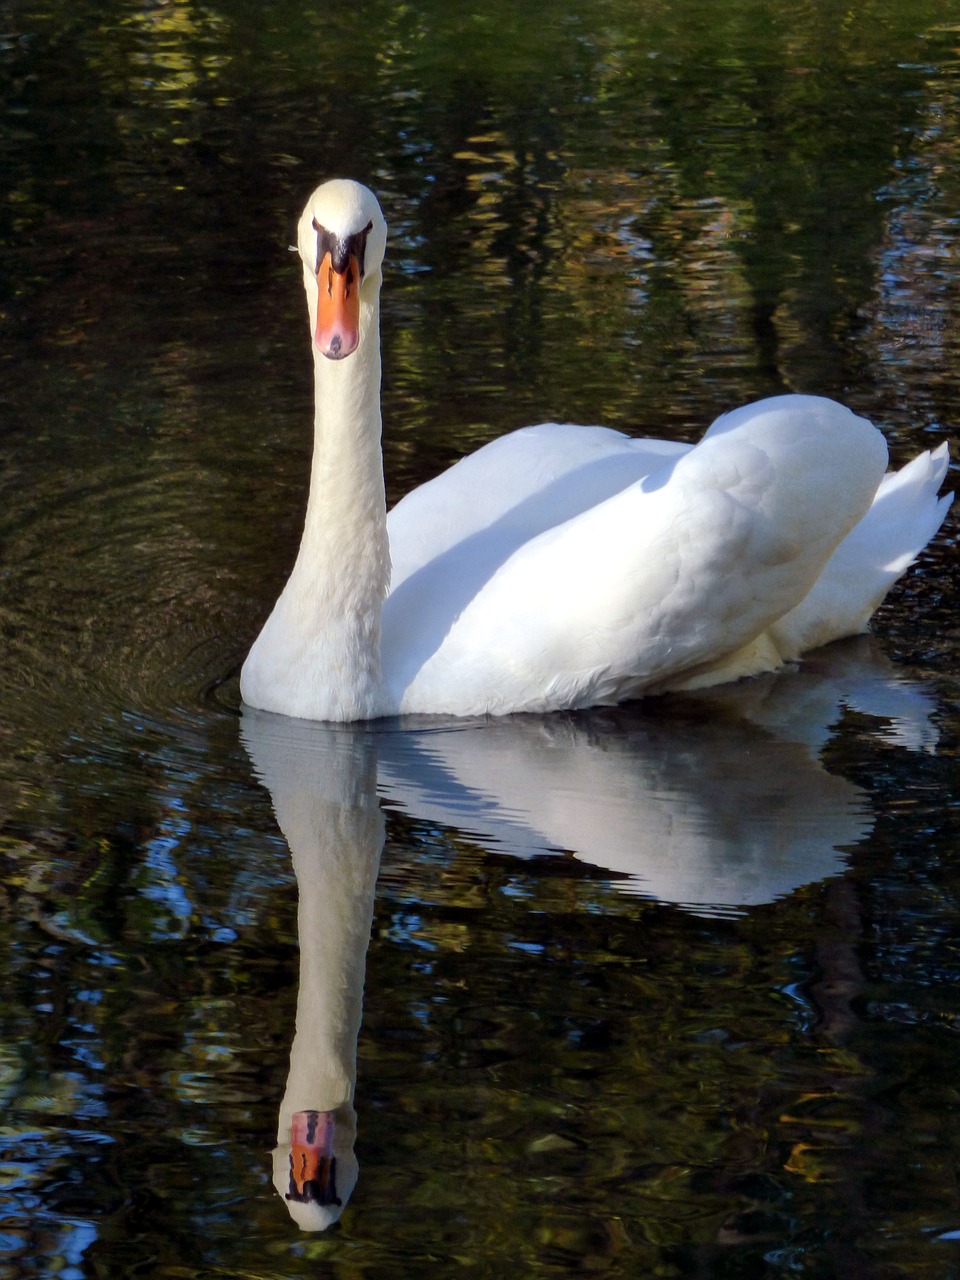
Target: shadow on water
720, 804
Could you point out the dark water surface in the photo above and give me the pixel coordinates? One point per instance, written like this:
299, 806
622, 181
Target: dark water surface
671, 990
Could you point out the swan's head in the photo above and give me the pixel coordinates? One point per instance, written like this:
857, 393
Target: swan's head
341, 238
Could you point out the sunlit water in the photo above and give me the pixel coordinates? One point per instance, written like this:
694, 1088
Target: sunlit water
667, 990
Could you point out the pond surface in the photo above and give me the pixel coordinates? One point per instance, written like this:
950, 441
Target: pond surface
669, 990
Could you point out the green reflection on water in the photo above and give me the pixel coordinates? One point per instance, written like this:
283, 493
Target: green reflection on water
638, 214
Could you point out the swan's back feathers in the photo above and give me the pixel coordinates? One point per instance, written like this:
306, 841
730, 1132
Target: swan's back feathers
672, 578
516, 487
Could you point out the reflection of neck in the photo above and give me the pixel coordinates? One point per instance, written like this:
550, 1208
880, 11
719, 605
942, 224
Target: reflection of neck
335, 848
323, 783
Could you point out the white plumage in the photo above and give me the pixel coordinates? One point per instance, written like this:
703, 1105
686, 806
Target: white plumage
566, 566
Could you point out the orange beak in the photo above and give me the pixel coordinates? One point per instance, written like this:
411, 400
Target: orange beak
312, 1162
338, 308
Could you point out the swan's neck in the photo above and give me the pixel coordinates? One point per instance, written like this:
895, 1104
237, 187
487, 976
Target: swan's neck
318, 656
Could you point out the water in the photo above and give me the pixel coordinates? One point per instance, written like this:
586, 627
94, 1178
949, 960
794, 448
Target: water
667, 990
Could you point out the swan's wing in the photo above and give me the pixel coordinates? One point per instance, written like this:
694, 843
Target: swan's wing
666, 581
516, 487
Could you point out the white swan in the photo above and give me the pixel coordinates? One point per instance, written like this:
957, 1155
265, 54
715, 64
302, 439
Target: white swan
563, 566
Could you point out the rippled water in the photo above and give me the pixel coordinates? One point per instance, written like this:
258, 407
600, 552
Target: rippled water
667, 990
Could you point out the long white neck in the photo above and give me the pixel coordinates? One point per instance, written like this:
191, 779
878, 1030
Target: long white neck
318, 656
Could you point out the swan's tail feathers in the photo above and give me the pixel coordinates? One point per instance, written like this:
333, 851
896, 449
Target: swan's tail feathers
904, 516
906, 510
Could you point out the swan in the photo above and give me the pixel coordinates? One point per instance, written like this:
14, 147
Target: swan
561, 566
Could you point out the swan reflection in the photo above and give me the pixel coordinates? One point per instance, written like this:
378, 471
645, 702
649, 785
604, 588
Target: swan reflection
323, 781
714, 803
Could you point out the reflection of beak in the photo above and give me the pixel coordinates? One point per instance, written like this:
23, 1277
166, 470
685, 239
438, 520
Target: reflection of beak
313, 1166
338, 308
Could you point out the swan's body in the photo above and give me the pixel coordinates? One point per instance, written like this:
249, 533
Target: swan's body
562, 566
